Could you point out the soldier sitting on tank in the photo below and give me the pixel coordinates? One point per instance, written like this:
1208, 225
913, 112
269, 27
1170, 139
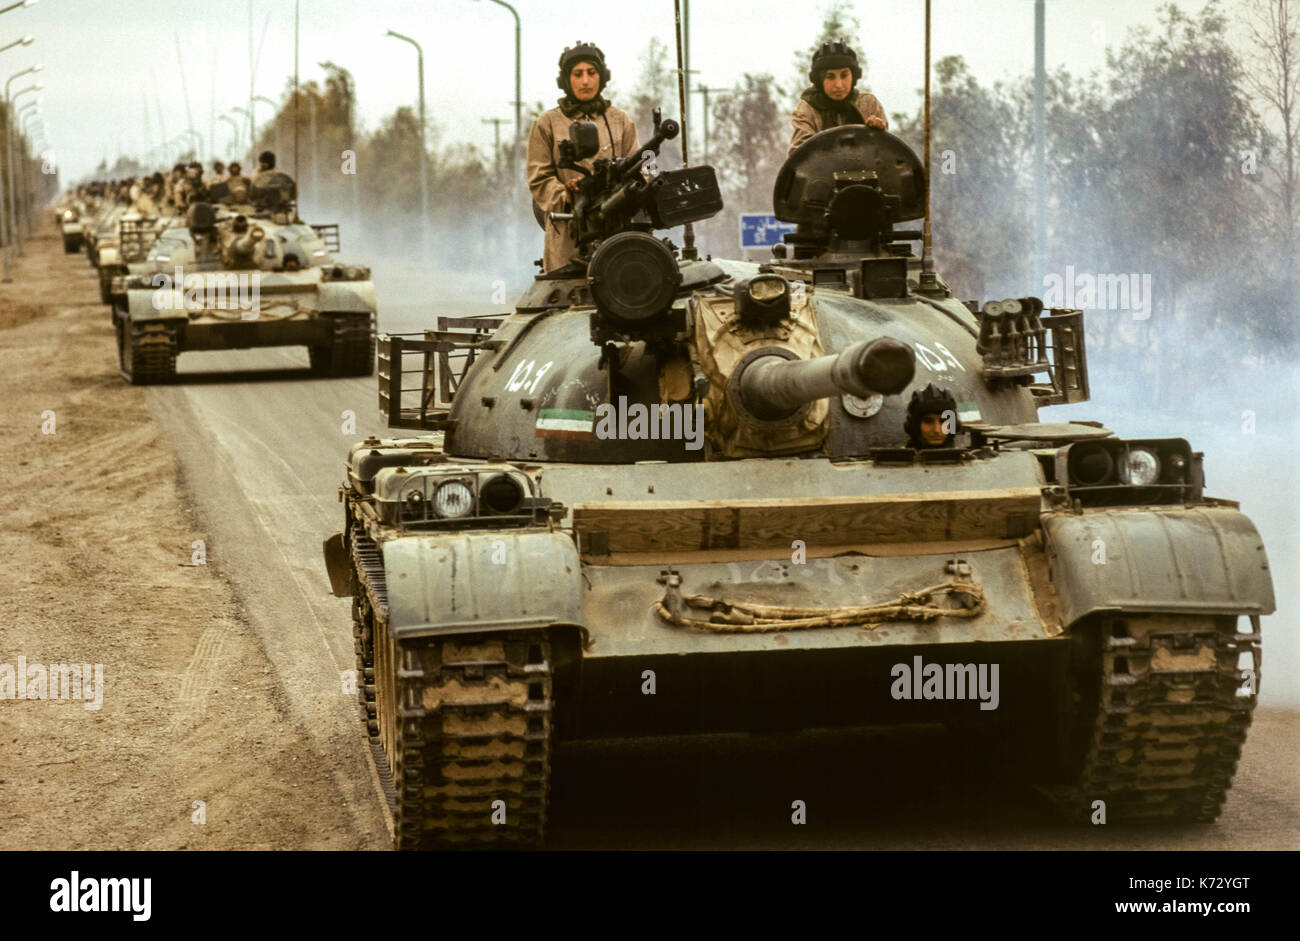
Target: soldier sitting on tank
583, 76
272, 190
931, 419
218, 173
193, 188
239, 185
834, 99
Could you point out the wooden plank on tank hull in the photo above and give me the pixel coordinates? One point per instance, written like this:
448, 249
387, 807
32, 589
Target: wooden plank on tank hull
694, 525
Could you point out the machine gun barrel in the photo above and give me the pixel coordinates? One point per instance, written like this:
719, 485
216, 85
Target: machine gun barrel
773, 387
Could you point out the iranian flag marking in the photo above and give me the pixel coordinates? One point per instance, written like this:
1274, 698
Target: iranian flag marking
564, 423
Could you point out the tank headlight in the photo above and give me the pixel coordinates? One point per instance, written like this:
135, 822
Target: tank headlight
1090, 464
453, 499
1139, 467
67, 214
501, 496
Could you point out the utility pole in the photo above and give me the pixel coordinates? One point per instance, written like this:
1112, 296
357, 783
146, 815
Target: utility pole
705, 90
496, 147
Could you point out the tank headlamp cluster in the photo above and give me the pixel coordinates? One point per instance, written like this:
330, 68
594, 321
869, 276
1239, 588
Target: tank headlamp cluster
345, 273
441, 496
1107, 472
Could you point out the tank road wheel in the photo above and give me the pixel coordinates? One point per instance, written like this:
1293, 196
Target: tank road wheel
147, 352
1166, 707
351, 351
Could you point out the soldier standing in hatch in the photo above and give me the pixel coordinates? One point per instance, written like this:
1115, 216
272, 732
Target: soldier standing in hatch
931, 418
834, 98
583, 77
269, 184
239, 185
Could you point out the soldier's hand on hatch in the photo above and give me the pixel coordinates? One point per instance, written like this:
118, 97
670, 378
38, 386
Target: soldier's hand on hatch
571, 185
876, 120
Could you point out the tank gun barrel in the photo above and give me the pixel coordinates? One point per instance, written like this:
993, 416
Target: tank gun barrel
244, 245
773, 387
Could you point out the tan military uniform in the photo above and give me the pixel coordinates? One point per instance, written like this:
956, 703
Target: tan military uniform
807, 120
546, 182
267, 186
239, 189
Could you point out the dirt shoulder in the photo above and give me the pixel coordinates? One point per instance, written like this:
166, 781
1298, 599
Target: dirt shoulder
97, 535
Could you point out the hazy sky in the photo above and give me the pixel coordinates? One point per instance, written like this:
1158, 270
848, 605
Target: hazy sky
100, 56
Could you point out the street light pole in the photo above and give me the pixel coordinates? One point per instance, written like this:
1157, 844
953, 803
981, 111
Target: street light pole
14, 237
251, 131
234, 144
424, 163
275, 117
25, 41
4, 222
25, 114
519, 102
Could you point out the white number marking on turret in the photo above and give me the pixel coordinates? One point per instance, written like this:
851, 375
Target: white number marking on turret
538, 378
523, 372
520, 376
947, 354
932, 360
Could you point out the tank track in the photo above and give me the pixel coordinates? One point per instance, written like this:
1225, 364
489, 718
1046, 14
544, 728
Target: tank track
152, 348
1172, 717
351, 351
456, 723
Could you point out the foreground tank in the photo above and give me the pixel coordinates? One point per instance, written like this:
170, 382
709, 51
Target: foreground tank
564, 559
229, 280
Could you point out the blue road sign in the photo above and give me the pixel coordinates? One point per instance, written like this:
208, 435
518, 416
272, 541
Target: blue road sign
762, 230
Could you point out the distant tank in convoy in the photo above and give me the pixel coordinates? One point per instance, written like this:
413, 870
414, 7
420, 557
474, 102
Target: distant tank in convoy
236, 278
813, 492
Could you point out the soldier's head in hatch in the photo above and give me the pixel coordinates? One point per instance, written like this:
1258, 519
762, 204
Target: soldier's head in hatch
583, 73
835, 70
931, 418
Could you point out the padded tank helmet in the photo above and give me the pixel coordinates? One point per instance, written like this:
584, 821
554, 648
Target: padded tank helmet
581, 52
931, 400
836, 54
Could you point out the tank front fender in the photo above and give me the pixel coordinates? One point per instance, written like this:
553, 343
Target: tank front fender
1197, 560
347, 296
452, 583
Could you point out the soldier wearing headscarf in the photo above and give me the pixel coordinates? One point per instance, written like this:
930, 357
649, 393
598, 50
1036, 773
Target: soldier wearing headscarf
834, 98
582, 77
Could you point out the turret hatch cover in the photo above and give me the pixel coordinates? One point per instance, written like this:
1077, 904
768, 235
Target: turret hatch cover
807, 178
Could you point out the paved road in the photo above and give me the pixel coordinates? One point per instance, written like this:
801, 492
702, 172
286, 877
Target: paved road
262, 446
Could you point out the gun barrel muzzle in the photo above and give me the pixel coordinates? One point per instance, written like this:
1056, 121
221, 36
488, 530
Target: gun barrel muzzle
772, 387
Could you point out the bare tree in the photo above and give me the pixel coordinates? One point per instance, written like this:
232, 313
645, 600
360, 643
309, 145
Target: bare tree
1274, 30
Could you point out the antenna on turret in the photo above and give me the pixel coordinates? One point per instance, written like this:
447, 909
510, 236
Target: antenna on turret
688, 232
296, 96
928, 283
